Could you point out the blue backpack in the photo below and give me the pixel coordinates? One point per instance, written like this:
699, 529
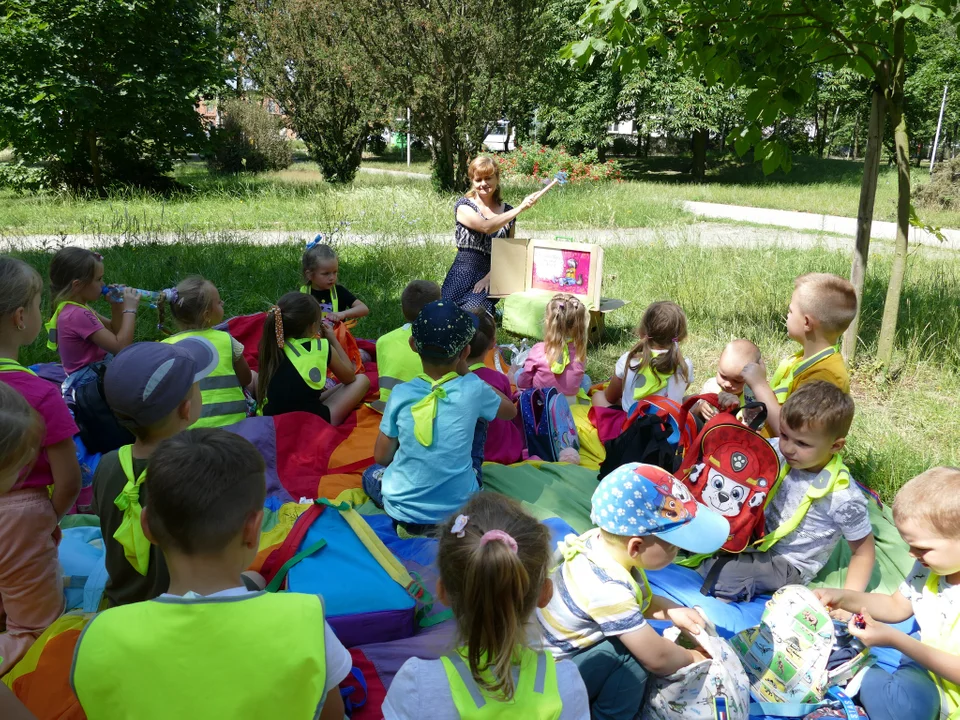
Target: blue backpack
547, 423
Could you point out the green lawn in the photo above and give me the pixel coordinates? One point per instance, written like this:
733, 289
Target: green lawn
906, 421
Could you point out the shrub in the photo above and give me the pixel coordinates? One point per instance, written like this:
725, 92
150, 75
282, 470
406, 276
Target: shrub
249, 140
542, 162
943, 190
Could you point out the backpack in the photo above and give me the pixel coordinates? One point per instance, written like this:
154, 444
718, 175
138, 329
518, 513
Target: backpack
547, 423
99, 429
786, 657
732, 470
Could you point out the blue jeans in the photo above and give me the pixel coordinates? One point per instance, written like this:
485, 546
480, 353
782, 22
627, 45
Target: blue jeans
615, 680
908, 693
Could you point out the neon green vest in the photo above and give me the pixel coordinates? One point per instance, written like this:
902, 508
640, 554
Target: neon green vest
536, 696
792, 366
8, 365
334, 303
52, 325
396, 362
944, 638
259, 655
835, 476
223, 400
309, 357
648, 382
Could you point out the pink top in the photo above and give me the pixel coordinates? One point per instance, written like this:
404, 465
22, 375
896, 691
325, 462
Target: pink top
44, 396
537, 372
75, 326
504, 438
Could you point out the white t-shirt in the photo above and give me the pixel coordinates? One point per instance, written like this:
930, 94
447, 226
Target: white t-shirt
338, 660
421, 690
809, 547
675, 388
937, 611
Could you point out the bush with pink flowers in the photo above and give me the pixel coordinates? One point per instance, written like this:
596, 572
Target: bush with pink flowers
539, 162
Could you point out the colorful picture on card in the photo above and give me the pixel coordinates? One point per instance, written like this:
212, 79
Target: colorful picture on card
559, 270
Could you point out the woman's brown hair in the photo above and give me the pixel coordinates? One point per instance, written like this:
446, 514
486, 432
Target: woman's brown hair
291, 317
484, 166
69, 264
663, 327
192, 301
493, 589
564, 321
21, 432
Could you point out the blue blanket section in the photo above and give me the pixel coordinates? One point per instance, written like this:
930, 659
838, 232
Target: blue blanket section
84, 572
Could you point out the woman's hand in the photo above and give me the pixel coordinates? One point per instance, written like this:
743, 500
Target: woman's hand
483, 286
530, 200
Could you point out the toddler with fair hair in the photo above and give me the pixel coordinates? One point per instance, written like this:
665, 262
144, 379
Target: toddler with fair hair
729, 378
560, 359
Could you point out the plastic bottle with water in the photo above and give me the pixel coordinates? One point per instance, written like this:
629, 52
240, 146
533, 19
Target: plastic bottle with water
114, 293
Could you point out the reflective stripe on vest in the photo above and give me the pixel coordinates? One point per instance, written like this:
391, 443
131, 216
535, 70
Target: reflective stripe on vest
334, 303
223, 400
571, 546
943, 638
8, 365
52, 325
309, 357
252, 644
790, 367
536, 695
835, 476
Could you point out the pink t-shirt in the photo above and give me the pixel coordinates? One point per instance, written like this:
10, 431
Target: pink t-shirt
44, 396
504, 438
75, 326
537, 372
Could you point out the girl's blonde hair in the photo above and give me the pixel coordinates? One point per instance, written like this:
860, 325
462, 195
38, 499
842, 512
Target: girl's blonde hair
313, 256
493, 588
291, 317
21, 432
564, 321
69, 264
19, 285
189, 307
663, 327
483, 166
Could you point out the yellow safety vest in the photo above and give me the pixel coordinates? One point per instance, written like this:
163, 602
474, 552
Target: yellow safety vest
648, 382
792, 366
259, 655
944, 638
571, 548
835, 476
52, 325
536, 696
136, 547
396, 362
309, 357
334, 303
223, 400
8, 365
477, 366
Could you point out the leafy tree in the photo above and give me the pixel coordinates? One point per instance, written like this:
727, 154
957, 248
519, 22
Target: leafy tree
935, 63
248, 140
105, 91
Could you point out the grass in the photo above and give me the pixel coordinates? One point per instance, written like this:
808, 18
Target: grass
906, 420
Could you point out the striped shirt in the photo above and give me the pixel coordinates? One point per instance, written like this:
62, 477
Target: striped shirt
589, 602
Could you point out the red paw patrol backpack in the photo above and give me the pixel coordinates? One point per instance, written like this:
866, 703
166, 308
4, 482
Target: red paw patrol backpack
734, 471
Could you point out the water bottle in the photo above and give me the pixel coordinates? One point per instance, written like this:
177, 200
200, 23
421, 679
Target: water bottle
114, 293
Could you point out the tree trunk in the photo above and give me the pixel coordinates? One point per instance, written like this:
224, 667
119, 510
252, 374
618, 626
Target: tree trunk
506, 137
855, 140
95, 161
699, 169
646, 145
818, 131
868, 193
443, 161
638, 151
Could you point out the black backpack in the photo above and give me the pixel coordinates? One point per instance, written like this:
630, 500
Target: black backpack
99, 429
646, 440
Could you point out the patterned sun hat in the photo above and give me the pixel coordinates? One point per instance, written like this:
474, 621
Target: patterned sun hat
442, 330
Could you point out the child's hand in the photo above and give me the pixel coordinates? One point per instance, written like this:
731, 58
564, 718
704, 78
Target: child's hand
334, 317
705, 410
874, 634
131, 298
698, 656
753, 373
728, 401
832, 598
687, 619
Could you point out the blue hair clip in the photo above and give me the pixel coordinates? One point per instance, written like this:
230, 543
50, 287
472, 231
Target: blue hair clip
316, 241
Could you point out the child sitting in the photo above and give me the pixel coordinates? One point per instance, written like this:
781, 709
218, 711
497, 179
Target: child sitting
196, 307
815, 502
559, 360
296, 348
83, 338
209, 648
31, 588
21, 435
729, 378
153, 389
926, 686
597, 616
821, 308
396, 361
320, 267
494, 562
504, 442
655, 365
424, 469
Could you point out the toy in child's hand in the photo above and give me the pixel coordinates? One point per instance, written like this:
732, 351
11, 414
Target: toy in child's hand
859, 622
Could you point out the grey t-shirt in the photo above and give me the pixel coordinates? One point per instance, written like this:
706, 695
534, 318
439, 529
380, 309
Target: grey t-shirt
421, 690
842, 512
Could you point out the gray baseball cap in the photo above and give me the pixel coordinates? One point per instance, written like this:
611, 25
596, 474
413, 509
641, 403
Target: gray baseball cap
148, 380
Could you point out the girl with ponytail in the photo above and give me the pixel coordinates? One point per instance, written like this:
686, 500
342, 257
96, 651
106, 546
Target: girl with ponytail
559, 360
296, 349
494, 562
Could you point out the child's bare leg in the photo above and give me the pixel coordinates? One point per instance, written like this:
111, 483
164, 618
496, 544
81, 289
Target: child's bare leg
599, 399
344, 398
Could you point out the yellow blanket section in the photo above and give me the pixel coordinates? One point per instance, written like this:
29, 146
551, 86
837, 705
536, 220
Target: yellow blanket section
592, 452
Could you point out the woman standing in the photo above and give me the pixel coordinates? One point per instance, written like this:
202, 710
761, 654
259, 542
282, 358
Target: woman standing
481, 216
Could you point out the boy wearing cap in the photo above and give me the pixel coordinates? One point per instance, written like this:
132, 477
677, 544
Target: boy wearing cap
429, 452
597, 616
152, 389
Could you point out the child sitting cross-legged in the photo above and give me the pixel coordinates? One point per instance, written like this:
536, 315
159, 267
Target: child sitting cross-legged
494, 562
926, 685
209, 648
597, 616
321, 268
429, 454
815, 502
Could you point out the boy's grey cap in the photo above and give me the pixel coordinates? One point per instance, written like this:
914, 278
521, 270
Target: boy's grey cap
148, 380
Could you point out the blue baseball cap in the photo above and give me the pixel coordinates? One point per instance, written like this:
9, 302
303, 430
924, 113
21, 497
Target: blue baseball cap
637, 499
442, 330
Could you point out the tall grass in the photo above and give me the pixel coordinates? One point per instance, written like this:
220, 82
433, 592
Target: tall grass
906, 420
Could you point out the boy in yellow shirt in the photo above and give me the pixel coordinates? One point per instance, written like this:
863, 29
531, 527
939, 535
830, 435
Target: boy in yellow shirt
821, 308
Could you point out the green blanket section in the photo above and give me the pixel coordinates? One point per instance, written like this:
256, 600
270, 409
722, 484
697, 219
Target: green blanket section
562, 490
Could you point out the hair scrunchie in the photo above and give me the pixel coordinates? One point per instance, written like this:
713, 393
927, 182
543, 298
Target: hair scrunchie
277, 324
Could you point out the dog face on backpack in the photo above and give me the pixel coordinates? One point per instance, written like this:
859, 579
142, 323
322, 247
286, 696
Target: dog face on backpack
723, 494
